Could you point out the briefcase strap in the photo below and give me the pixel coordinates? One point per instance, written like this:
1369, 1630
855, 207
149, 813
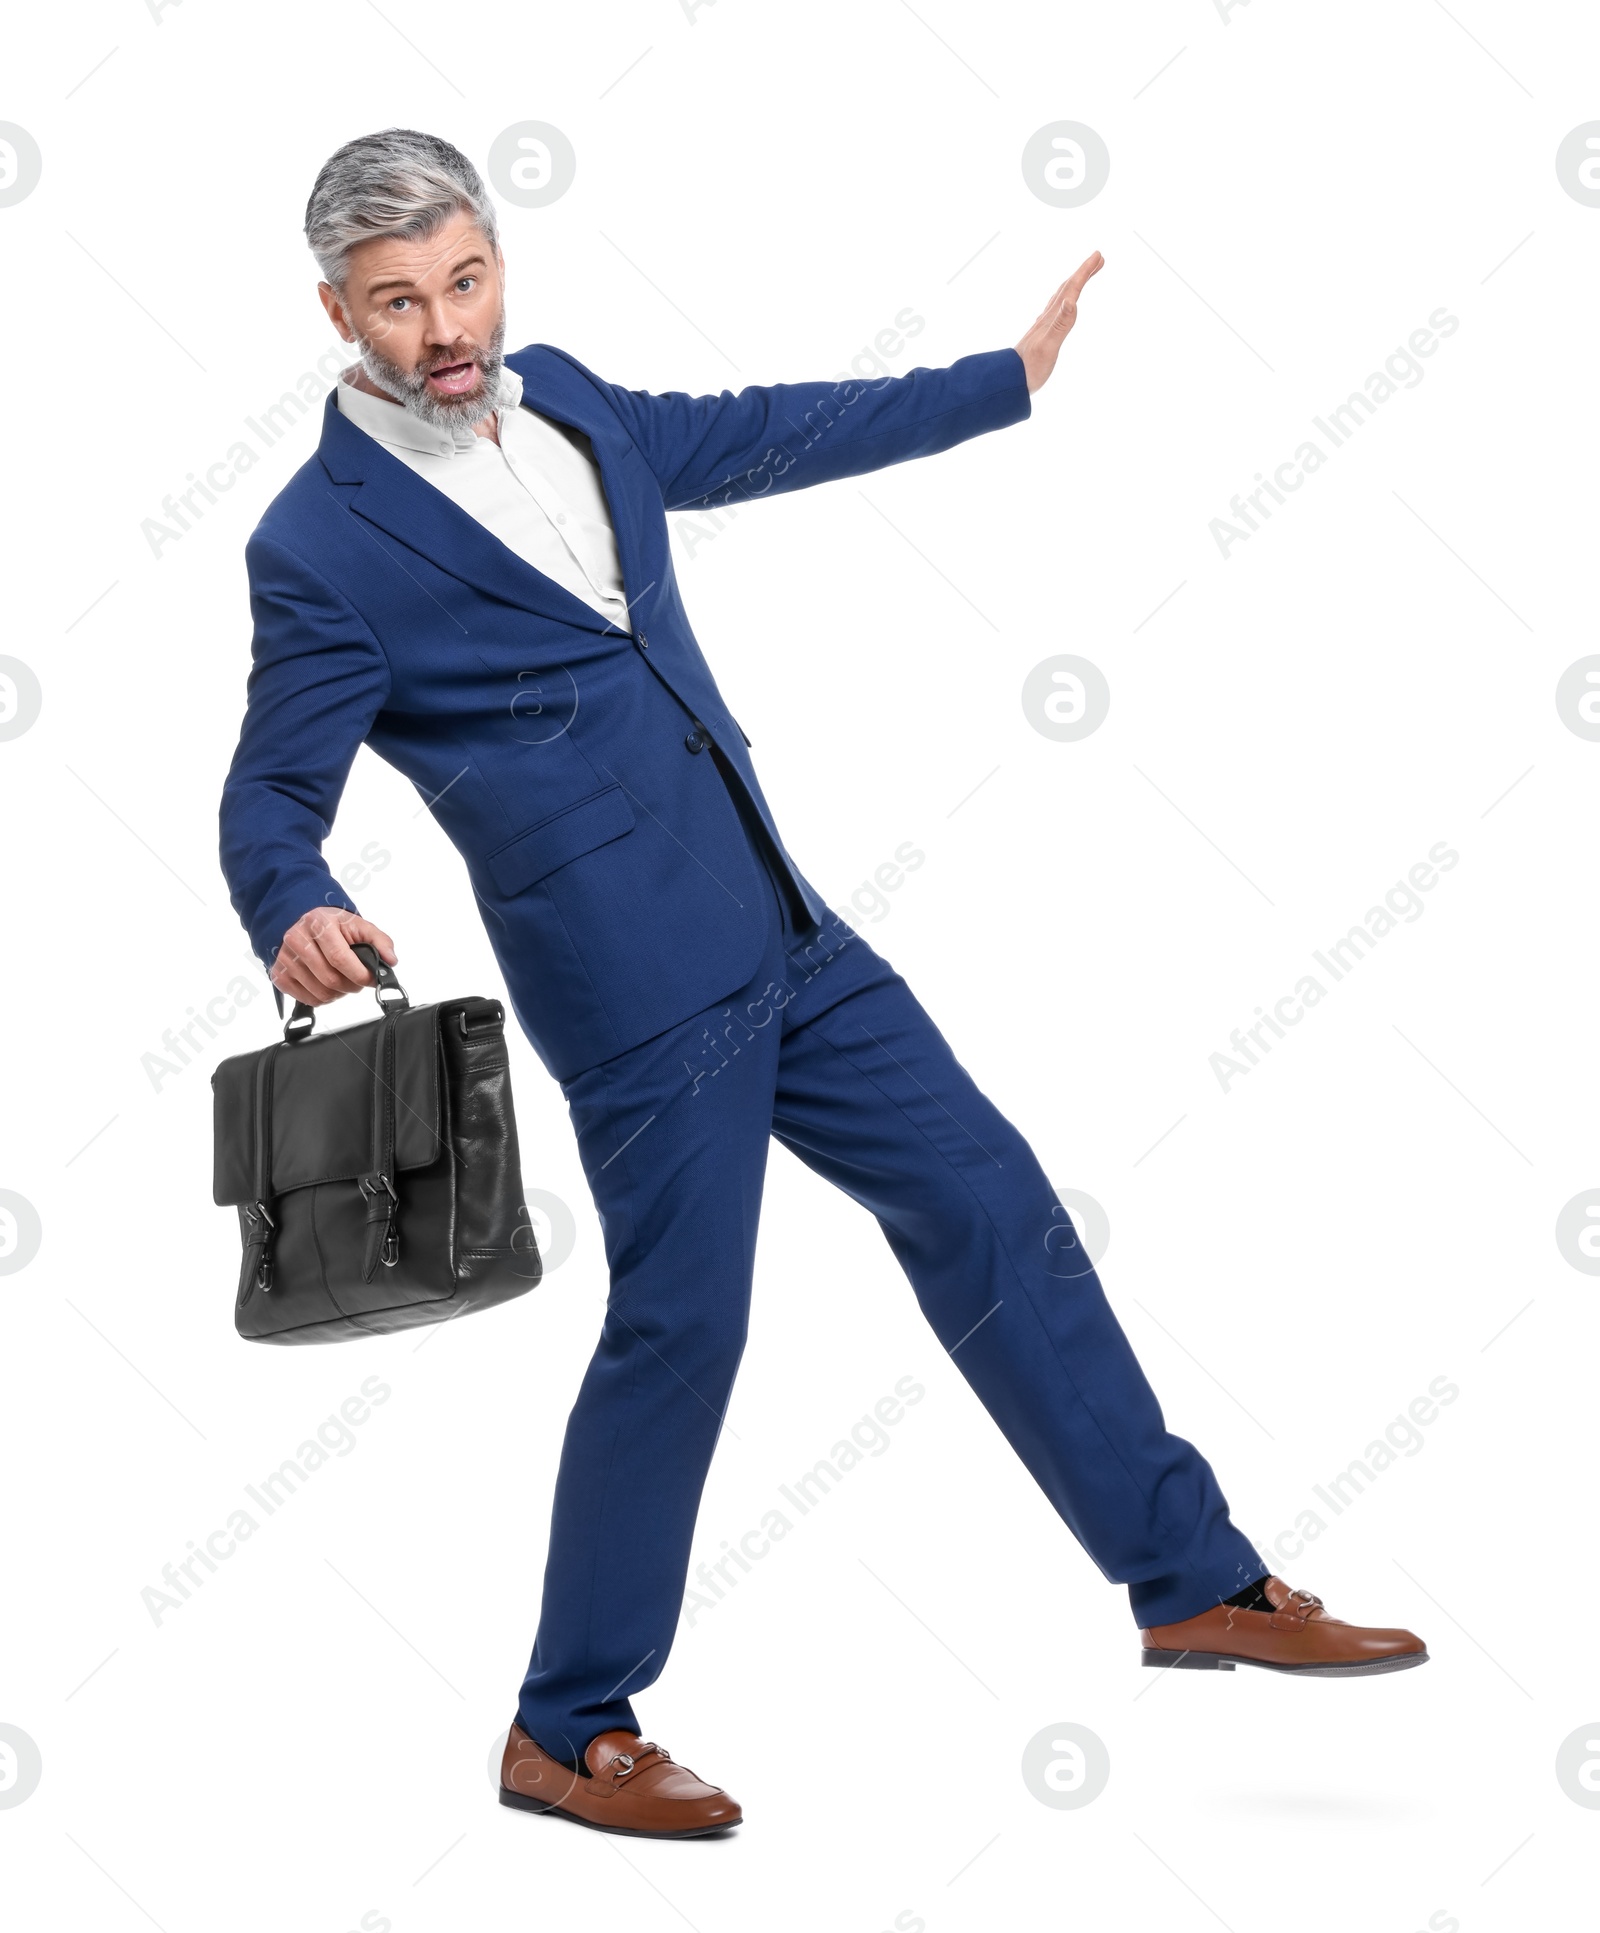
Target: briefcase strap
259, 1219
377, 1186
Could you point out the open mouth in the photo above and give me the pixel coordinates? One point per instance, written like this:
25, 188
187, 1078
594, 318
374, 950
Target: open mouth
454, 379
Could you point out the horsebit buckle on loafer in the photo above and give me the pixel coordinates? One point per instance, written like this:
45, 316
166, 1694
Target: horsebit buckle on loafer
625, 1762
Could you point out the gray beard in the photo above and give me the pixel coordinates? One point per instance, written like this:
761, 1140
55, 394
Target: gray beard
411, 390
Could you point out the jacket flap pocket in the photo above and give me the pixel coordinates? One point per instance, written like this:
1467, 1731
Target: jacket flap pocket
322, 1107
564, 836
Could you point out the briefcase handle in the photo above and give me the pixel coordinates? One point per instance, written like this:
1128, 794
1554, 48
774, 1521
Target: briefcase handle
299, 1024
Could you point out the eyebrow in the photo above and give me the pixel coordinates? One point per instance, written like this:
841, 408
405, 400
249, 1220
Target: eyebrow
407, 281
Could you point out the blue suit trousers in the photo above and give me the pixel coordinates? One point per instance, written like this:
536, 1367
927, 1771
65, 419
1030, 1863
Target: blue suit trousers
828, 1050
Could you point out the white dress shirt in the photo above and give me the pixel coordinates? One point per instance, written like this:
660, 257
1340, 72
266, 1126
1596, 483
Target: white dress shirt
536, 489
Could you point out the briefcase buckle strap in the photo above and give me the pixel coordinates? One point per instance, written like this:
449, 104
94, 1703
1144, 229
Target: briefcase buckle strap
383, 1237
261, 1225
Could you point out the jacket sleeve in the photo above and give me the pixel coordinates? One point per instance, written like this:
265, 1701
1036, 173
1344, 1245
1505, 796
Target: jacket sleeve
709, 451
318, 679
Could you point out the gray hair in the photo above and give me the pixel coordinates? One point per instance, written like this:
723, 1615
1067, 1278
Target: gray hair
398, 182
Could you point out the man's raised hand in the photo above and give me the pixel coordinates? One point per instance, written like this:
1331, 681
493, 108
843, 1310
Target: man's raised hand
315, 964
1042, 344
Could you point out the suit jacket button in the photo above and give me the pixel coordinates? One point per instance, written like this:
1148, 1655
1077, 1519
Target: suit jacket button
644, 642
697, 740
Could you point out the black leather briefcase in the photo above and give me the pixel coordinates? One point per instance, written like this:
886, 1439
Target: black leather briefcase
375, 1171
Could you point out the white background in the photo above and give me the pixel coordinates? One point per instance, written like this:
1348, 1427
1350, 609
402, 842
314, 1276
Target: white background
306, 1740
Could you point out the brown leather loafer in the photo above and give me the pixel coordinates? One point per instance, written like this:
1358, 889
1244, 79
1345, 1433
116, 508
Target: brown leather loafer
633, 1787
1295, 1635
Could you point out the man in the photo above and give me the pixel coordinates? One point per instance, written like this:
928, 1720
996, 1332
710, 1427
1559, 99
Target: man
472, 575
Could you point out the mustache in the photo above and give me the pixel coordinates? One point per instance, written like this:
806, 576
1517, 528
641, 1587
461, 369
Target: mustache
475, 353
467, 351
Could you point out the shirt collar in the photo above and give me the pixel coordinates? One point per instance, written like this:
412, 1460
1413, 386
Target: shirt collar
392, 422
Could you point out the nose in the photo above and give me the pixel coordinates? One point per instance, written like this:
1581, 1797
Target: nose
440, 327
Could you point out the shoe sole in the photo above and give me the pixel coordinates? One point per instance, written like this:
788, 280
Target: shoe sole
524, 1804
1214, 1661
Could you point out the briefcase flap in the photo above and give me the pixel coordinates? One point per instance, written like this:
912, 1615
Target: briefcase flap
322, 1107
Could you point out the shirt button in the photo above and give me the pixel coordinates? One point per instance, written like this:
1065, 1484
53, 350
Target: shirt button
561, 516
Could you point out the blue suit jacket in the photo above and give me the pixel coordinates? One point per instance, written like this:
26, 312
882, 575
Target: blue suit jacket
617, 885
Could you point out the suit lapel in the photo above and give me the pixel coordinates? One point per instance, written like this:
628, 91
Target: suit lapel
387, 493
550, 386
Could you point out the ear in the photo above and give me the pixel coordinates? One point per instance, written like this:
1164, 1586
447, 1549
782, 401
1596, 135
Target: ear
335, 309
